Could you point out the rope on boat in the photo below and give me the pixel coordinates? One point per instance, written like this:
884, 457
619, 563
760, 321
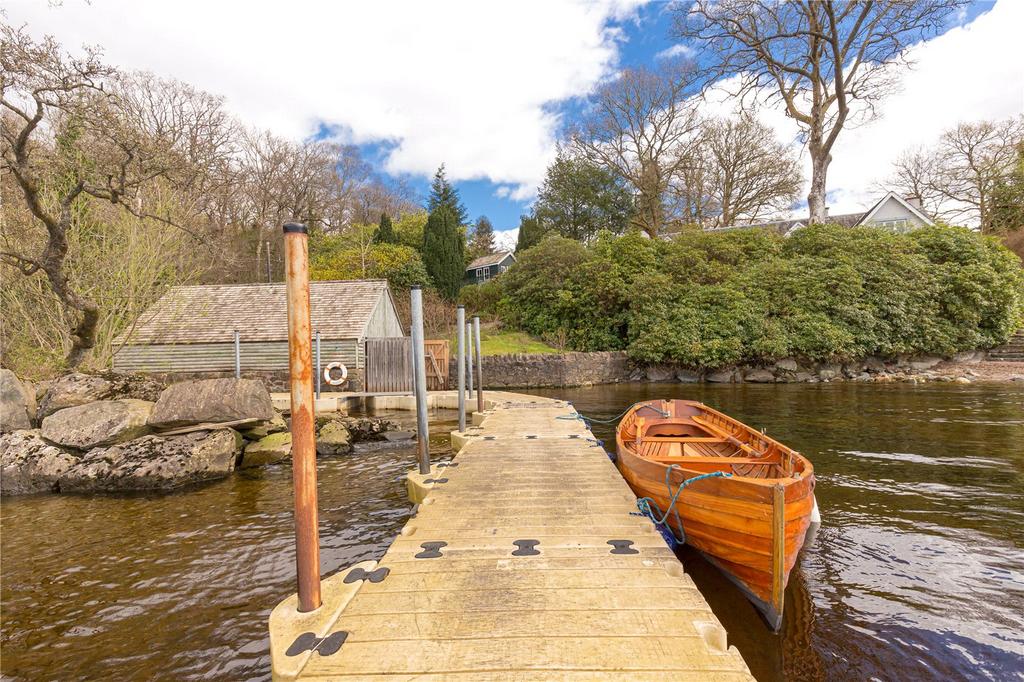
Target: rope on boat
648, 507
594, 420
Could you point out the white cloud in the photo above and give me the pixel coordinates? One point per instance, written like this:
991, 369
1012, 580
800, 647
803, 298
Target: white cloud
967, 74
677, 50
466, 83
505, 240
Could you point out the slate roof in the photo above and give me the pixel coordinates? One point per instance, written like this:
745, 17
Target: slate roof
489, 259
210, 313
784, 226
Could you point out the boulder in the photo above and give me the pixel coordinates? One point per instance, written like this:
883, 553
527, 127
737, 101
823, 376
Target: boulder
264, 429
873, 364
100, 423
272, 448
828, 372
787, 365
804, 377
759, 376
138, 386
211, 400
17, 403
364, 429
28, 464
334, 439
660, 373
923, 362
154, 463
72, 390
961, 380
688, 376
722, 376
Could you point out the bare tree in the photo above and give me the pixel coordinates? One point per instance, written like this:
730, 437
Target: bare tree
957, 177
73, 129
743, 173
829, 62
639, 128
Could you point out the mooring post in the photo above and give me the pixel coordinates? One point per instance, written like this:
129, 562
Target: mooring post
300, 361
269, 278
479, 366
318, 370
460, 324
238, 355
469, 357
419, 366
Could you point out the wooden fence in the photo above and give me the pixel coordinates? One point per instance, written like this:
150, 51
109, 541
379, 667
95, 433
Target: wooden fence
389, 365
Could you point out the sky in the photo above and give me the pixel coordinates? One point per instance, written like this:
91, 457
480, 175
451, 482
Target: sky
485, 88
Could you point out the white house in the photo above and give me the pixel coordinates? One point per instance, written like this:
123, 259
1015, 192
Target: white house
891, 212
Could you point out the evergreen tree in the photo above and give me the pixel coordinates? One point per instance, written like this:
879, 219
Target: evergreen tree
482, 243
579, 198
530, 232
385, 233
444, 251
443, 194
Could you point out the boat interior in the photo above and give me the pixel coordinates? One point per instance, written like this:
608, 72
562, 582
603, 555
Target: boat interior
700, 439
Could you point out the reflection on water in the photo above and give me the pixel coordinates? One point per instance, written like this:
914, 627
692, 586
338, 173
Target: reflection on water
917, 572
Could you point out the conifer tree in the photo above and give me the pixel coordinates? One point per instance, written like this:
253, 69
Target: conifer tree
482, 243
444, 251
443, 194
385, 233
531, 231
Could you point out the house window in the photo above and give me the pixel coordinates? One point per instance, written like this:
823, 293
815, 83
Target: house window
483, 274
901, 225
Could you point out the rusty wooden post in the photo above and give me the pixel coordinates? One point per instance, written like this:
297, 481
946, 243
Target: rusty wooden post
300, 368
460, 324
479, 366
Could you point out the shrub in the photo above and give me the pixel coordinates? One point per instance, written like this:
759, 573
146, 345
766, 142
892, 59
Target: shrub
827, 293
482, 299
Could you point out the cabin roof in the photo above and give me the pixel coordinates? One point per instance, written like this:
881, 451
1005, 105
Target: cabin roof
489, 259
210, 313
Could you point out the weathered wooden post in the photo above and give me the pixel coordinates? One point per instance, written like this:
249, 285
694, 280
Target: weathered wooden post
469, 357
419, 367
460, 323
479, 366
307, 541
238, 355
318, 370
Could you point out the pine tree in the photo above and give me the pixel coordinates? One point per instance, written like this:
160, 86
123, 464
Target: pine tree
443, 194
385, 233
482, 243
444, 252
531, 231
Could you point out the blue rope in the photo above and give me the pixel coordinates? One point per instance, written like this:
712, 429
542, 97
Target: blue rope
593, 420
648, 507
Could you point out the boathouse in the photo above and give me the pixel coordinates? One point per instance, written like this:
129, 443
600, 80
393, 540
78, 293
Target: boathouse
191, 329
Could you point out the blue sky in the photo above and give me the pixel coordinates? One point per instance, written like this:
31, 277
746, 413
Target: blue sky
485, 87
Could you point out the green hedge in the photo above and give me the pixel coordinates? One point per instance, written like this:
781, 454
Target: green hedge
827, 293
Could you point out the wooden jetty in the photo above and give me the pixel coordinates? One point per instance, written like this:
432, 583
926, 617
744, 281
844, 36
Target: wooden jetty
525, 559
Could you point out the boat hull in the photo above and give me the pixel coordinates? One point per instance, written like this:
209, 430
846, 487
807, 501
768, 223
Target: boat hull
752, 529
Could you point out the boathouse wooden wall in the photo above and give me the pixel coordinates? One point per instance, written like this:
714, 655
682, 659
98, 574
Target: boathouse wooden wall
220, 357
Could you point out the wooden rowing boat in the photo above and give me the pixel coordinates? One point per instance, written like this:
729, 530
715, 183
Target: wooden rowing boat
749, 519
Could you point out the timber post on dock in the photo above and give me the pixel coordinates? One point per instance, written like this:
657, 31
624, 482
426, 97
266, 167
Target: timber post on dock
300, 360
524, 557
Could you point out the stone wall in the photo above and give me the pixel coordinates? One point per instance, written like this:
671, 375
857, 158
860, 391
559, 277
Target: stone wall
543, 370
582, 369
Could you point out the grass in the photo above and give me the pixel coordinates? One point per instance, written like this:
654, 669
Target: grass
506, 342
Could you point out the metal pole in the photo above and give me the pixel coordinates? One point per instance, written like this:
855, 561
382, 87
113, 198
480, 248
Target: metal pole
238, 355
269, 278
318, 364
469, 357
307, 541
419, 365
460, 323
479, 367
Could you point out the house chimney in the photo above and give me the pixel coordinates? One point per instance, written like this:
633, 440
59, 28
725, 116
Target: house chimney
826, 211
914, 201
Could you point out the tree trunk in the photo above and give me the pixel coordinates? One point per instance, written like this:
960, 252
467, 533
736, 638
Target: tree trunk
816, 197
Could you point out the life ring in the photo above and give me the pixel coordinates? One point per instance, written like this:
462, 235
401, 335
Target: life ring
331, 381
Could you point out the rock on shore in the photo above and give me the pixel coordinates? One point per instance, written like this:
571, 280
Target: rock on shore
211, 400
104, 422
17, 403
28, 464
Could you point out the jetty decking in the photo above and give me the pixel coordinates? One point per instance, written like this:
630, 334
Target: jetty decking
525, 560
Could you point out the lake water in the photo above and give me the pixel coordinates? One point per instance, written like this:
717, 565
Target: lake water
916, 573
